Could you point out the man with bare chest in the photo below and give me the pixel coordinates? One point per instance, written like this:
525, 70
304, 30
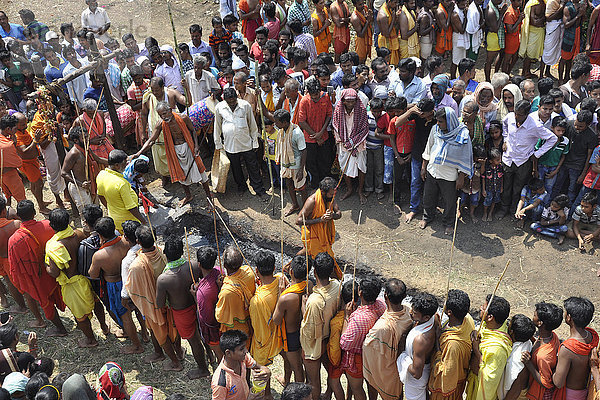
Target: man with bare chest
173, 286
341, 31
81, 183
108, 261
7, 228
61, 264
182, 151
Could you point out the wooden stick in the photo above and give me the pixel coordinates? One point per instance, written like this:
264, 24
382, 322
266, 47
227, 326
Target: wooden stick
305, 243
150, 224
492, 297
1, 167
187, 246
178, 52
356, 253
281, 219
264, 136
83, 136
339, 183
452, 249
87, 143
217, 240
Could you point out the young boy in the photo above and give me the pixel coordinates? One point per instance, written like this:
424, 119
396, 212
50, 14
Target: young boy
572, 374
549, 164
544, 354
586, 222
391, 110
374, 175
230, 22
515, 377
554, 219
229, 380
218, 35
531, 205
402, 136
472, 187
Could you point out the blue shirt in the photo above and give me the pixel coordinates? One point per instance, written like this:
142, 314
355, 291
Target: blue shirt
52, 73
40, 28
471, 86
529, 197
16, 31
413, 92
336, 77
131, 175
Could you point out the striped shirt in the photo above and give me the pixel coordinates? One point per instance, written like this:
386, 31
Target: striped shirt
372, 141
214, 40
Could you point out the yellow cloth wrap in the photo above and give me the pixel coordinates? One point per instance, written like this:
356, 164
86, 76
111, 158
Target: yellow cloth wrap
266, 343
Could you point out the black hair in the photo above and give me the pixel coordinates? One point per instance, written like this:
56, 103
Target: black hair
562, 200
426, 104
59, 380
580, 309
347, 80
580, 69
459, 303
544, 85
125, 37
295, 26
59, 219
590, 198
298, 55
105, 227
141, 166
129, 228
8, 121
592, 85
206, 256
183, 47
24, 361
535, 184
173, 247
35, 383
360, 68
42, 364
116, 156
349, 289
48, 393
64, 26
282, 115
269, 9
271, 45
433, 62
322, 70
91, 213
425, 303
370, 288
517, 79
383, 52
395, 290
216, 20
464, 65
265, 262
327, 184
376, 62
262, 30
298, 267
229, 93
8, 334
231, 339
478, 151
326, 58
284, 32
522, 327
499, 308
588, 104
296, 391
550, 314
546, 99
556, 93
2, 203
324, 265
376, 104
232, 258
313, 86
278, 72
585, 116
523, 105
143, 235
195, 28
408, 64
229, 19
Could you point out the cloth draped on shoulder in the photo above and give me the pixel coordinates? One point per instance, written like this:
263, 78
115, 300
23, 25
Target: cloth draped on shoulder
360, 128
527, 30
453, 148
410, 47
320, 237
323, 40
517, 96
334, 350
234, 300
444, 38
10, 156
488, 108
450, 364
544, 358
501, 33
392, 42
579, 348
368, 37
177, 173
245, 7
297, 288
266, 343
95, 129
285, 155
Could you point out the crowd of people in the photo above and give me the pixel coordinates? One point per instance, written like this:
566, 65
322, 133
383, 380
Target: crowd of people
284, 102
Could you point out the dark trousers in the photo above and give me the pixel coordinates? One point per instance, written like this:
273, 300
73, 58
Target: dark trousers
374, 175
249, 158
431, 193
513, 180
318, 161
399, 178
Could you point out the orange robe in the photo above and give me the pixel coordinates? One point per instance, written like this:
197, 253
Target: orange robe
265, 343
298, 288
96, 128
341, 34
30, 167
583, 349
322, 41
175, 170
544, 358
12, 184
234, 300
364, 44
443, 41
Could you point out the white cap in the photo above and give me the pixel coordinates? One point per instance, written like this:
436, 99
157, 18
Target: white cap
166, 47
417, 61
51, 35
237, 63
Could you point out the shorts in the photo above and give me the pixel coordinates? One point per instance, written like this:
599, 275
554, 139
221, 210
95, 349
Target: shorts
472, 198
31, 169
293, 341
492, 197
492, 42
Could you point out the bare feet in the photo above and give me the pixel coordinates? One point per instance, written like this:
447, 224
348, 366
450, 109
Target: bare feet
474, 219
561, 240
362, 197
17, 310
197, 373
154, 357
367, 194
145, 337
37, 324
132, 349
448, 230
186, 200
181, 355
120, 333
87, 343
347, 194
422, 224
397, 209
291, 211
409, 217
171, 366
53, 331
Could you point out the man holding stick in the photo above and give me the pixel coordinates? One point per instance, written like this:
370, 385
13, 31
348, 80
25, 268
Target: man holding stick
182, 151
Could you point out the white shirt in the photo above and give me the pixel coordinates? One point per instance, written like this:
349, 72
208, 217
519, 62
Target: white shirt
520, 141
235, 131
95, 20
200, 89
438, 171
77, 86
473, 27
125, 264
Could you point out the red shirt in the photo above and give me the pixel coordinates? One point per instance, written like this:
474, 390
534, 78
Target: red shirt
315, 114
405, 135
256, 52
382, 124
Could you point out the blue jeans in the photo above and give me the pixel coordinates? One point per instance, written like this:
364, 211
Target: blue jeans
416, 185
473, 199
493, 197
564, 174
548, 182
534, 214
376, 30
388, 165
554, 231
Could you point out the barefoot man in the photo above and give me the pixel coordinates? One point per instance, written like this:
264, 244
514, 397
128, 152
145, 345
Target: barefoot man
26, 258
182, 150
173, 286
107, 261
141, 285
318, 213
61, 263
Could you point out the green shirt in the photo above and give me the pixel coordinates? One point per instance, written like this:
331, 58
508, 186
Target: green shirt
552, 157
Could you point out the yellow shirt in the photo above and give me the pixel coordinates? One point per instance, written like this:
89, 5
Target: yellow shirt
120, 197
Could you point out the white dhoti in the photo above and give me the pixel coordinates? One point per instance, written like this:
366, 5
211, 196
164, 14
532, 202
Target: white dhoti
414, 389
292, 174
355, 163
53, 169
80, 196
552, 42
189, 166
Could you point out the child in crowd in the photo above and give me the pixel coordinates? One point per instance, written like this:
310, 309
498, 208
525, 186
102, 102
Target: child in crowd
586, 222
560, 108
230, 22
271, 144
549, 164
218, 35
492, 182
554, 219
531, 205
374, 175
516, 377
541, 361
472, 187
402, 135
271, 21
495, 139
391, 110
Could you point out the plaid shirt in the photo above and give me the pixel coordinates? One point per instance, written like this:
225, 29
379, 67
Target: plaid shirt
186, 65
40, 28
126, 79
136, 93
359, 324
301, 12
